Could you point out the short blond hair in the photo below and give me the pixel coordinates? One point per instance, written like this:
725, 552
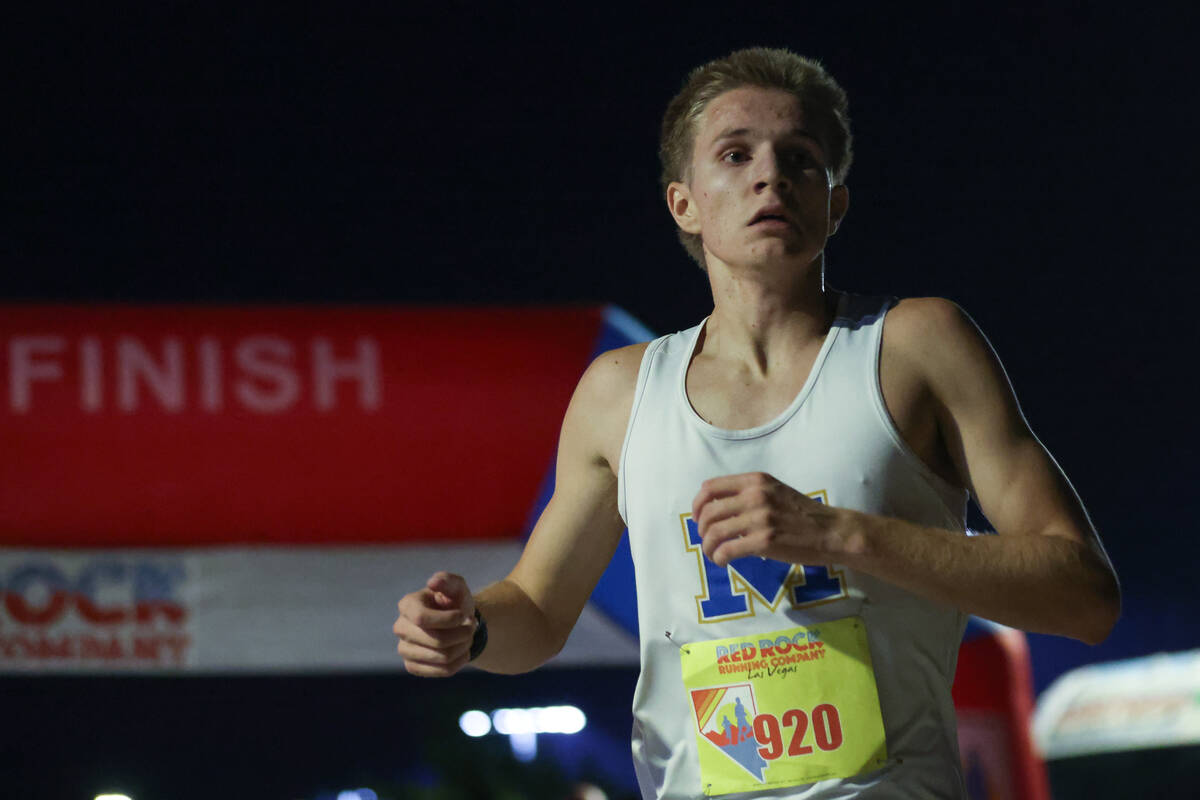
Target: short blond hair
823, 100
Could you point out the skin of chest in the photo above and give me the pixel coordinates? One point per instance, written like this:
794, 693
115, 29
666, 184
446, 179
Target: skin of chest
731, 395
734, 397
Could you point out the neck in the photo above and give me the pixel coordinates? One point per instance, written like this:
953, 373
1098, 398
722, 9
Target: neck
764, 317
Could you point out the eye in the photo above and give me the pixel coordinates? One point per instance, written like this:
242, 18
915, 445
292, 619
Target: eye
802, 158
735, 156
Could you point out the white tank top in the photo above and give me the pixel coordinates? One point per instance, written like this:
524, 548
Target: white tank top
836, 441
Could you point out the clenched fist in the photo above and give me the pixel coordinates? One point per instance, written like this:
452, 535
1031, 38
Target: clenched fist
756, 515
435, 626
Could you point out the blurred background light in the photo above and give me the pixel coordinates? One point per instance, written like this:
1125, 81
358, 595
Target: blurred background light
551, 719
511, 721
587, 791
113, 797
357, 794
522, 725
524, 745
475, 723
560, 719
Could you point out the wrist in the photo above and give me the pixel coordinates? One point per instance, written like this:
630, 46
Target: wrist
479, 639
850, 540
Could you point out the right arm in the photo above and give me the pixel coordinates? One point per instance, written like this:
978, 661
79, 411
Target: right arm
531, 612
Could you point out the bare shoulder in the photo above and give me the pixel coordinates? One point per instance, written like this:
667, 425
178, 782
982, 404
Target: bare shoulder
936, 338
917, 321
938, 374
611, 377
617, 368
940, 348
603, 399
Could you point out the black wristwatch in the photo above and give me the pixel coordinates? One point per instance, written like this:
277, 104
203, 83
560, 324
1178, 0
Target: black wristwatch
479, 640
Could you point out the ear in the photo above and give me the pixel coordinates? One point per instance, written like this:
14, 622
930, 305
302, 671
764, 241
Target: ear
839, 204
679, 203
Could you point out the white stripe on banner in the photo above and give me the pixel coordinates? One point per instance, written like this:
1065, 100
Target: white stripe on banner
253, 609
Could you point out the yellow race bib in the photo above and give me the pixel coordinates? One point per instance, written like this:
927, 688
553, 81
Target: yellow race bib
784, 708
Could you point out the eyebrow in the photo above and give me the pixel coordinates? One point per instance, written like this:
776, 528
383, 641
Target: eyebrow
730, 133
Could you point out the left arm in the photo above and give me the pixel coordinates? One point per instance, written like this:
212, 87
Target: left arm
1046, 571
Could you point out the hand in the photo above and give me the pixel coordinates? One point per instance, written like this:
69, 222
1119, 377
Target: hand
756, 515
435, 626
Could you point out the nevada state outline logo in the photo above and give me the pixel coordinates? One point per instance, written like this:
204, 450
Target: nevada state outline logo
724, 717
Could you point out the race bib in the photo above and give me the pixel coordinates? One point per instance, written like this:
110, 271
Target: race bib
784, 708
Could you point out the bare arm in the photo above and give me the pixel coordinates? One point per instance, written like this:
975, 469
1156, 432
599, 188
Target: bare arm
1045, 572
532, 611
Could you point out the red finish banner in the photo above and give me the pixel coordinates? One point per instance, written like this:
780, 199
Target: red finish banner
169, 426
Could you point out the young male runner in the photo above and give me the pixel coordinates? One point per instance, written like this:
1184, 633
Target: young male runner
794, 474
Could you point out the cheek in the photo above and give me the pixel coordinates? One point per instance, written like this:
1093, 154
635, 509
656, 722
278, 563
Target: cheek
714, 193
713, 196
718, 183
715, 221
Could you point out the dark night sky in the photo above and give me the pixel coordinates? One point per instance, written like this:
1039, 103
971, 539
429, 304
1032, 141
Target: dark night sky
1035, 166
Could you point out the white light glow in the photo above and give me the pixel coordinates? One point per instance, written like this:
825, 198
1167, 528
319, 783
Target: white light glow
587, 791
357, 794
113, 797
551, 719
510, 721
524, 745
475, 723
560, 719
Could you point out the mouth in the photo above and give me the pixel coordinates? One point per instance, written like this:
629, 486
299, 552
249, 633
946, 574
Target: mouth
772, 215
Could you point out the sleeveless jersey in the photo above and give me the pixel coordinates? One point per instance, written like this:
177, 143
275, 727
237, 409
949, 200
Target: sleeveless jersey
837, 443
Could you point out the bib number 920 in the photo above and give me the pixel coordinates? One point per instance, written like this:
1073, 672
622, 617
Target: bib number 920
825, 723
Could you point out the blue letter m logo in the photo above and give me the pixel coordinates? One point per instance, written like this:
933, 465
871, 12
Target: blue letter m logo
731, 592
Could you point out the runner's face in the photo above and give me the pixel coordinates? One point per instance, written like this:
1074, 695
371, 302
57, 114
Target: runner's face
760, 189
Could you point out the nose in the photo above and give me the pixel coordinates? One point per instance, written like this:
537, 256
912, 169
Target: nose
771, 172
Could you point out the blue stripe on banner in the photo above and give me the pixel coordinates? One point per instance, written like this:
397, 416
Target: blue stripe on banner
620, 329
978, 627
614, 595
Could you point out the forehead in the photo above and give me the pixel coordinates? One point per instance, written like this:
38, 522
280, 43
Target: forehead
749, 108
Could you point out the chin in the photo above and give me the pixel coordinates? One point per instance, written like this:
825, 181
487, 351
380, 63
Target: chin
768, 254
778, 256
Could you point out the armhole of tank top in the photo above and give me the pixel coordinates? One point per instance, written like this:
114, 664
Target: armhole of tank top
938, 484
639, 390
